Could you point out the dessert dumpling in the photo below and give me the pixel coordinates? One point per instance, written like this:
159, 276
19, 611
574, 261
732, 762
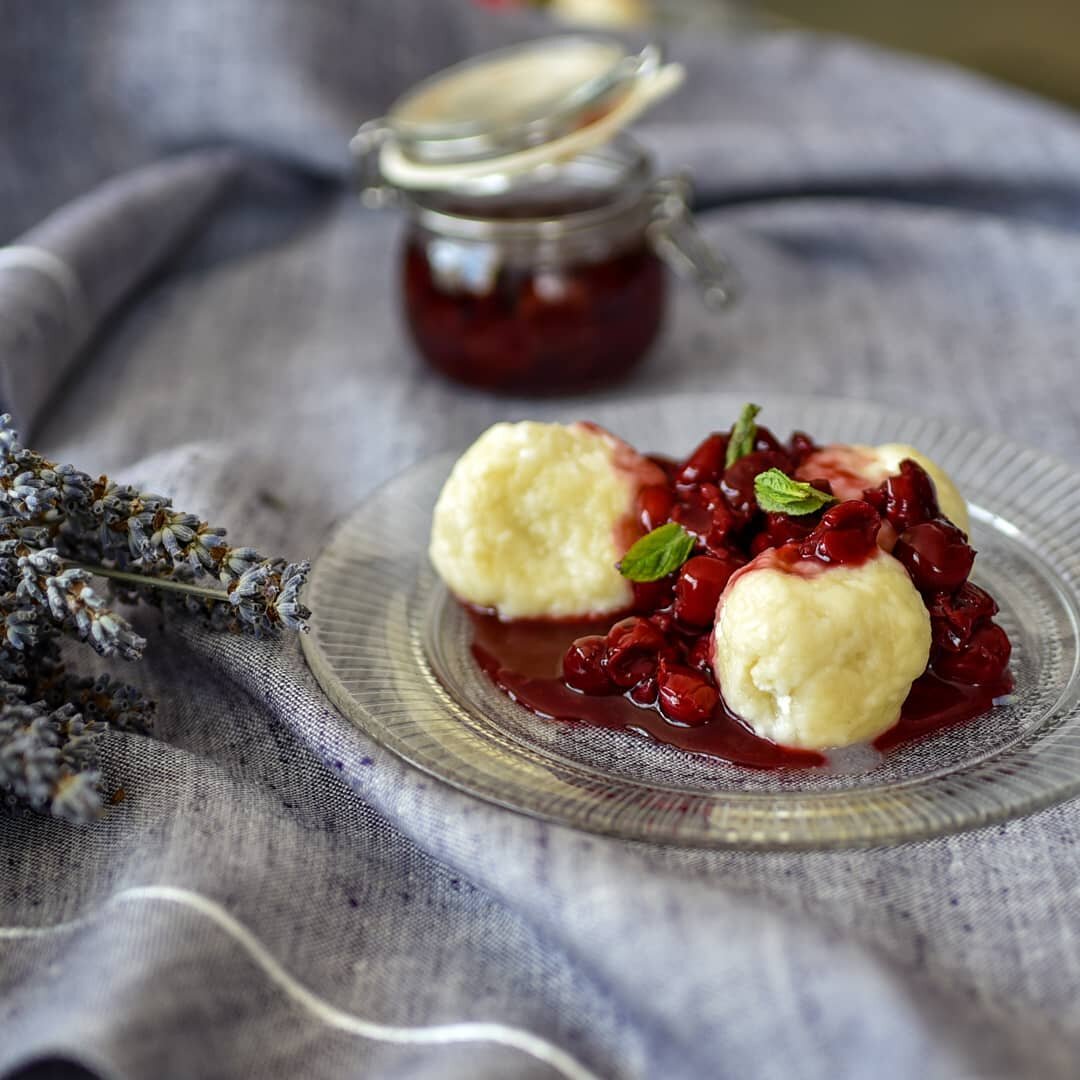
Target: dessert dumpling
852, 469
818, 656
534, 518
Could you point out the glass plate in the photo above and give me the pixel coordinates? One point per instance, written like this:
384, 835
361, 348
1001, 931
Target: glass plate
392, 651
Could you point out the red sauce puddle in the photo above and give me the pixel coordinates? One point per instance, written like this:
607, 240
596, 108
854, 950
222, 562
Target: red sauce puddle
935, 703
523, 659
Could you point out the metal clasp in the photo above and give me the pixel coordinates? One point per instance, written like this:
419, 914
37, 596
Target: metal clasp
675, 237
365, 146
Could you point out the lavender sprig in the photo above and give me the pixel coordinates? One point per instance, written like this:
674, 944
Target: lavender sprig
59, 528
94, 522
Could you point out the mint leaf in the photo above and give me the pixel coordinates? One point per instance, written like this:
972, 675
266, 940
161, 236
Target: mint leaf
743, 433
777, 493
657, 554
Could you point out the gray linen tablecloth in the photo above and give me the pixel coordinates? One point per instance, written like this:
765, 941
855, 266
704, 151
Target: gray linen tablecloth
214, 315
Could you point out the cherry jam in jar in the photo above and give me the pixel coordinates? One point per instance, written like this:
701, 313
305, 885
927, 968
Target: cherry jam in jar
550, 284
536, 225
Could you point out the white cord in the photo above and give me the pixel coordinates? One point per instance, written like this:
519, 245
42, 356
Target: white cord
440, 1034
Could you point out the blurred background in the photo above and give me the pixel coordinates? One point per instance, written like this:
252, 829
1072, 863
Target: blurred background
1033, 44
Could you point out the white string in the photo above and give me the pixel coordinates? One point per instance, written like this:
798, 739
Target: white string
439, 1034
50, 265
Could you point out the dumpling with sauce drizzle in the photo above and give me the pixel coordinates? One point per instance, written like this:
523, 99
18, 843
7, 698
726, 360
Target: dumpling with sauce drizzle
534, 518
851, 469
813, 654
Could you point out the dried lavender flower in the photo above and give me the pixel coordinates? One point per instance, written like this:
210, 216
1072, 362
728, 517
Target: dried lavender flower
266, 596
48, 759
290, 612
101, 700
74, 605
59, 528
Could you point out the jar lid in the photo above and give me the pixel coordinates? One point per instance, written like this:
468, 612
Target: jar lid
512, 110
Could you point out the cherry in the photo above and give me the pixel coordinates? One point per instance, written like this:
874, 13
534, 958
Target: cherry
633, 646
906, 499
955, 615
737, 483
800, 446
700, 653
696, 520
721, 530
634, 633
654, 505
936, 554
781, 529
698, 588
685, 695
583, 666
705, 515
764, 439
758, 544
982, 660
706, 495
706, 463
652, 595
644, 693
846, 534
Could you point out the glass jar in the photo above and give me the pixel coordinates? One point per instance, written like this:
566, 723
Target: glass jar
551, 285
535, 236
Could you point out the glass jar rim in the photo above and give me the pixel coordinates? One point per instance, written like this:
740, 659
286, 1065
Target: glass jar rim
626, 165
